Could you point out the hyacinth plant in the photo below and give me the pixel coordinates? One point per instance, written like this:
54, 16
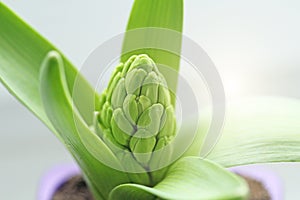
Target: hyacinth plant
132, 123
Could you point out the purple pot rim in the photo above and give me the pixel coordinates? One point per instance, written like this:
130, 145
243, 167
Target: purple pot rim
59, 174
267, 177
54, 178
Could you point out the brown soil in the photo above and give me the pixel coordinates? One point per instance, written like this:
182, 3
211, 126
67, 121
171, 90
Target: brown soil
76, 189
73, 189
257, 189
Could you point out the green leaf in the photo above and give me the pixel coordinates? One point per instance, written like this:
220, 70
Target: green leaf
166, 15
22, 51
193, 132
189, 178
260, 130
78, 138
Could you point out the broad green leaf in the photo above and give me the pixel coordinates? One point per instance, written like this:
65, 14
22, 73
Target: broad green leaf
22, 51
195, 132
260, 130
190, 178
73, 130
167, 15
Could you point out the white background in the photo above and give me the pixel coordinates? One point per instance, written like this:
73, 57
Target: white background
255, 45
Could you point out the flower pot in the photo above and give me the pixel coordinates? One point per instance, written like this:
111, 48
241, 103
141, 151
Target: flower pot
59, 175
269, 179
55, 178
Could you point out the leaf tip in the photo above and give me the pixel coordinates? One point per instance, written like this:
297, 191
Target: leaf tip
52, 57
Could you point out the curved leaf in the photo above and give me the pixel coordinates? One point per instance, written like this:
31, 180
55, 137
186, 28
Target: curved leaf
260, 130
166, 14
189, 178
58, 106
22, 51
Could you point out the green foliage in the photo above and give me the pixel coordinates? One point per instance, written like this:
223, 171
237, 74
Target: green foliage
260, 130
190, 178
160, 14
43, 80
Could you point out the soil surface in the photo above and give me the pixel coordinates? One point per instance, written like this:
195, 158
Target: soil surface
257, 189
73, 189
76, 189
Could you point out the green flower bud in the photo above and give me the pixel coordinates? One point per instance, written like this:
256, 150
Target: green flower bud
136, 112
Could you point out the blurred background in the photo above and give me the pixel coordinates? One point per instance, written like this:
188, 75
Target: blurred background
254, 44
